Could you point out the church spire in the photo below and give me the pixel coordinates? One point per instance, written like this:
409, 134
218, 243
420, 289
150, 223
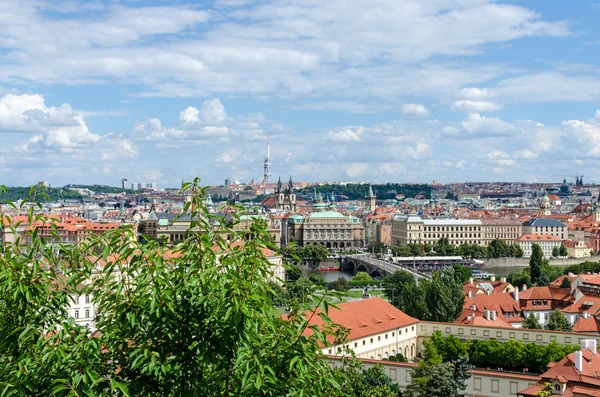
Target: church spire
370, 193
279, 185
290, 185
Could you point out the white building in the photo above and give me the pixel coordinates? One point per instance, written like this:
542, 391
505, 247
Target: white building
408, 229
81, 309
547, 242
546, 226
377, 330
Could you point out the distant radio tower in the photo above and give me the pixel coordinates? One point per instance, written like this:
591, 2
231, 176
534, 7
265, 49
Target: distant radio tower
267, 164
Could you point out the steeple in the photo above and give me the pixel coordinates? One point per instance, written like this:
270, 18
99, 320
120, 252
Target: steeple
370, 194
290, 185
279, 185
370, 200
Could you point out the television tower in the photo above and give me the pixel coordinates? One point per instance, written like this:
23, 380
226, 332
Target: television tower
267, 164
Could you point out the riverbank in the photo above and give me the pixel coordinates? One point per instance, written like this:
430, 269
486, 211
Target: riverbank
524, 262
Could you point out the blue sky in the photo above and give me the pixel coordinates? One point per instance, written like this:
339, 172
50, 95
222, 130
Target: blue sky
374, 90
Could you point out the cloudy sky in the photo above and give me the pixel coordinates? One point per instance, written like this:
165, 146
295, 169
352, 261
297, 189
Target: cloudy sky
370, 90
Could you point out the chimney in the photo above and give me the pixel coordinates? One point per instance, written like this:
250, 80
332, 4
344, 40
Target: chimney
516, 294
589, 344
493, 278
524, 287
493, 315
470, 293
585, 315
486, 314
503, 279
579, 361
473, 307
470, 280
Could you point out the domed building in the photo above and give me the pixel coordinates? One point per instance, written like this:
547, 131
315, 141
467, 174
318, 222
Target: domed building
328, 228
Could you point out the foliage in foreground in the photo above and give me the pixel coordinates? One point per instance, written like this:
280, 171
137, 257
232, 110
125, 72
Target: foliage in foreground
191, 321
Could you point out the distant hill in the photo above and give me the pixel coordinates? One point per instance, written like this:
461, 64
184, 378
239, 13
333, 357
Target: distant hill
58, 193
25, 193
103, 189
357, 191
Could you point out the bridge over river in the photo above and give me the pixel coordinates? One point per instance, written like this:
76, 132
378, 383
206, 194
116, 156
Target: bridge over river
377, 268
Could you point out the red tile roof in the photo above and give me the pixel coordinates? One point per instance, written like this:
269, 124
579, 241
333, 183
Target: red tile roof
538, 237
365, 317
589, 325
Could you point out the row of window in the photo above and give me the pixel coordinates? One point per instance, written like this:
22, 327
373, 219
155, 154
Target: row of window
86, 298
452, 228
87, 313
461, 235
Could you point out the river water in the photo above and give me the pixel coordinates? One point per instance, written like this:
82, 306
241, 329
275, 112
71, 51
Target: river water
329, 275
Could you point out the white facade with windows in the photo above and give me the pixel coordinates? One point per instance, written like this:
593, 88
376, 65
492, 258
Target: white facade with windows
82, 310
382, 345
412, 229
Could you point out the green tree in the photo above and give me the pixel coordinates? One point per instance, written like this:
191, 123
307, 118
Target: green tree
359, 382
532, 322
565, 283
435, 378
517, 251
563, 250
546, 390
555, 252
361, 277
341, 284
278, 295
535, 262
378, 247
462, 272
293, 272
301, 289
317, 279
401, 251
443, 247
394, 285
413, 299
443, 295
558, 321
194, 320
316, 253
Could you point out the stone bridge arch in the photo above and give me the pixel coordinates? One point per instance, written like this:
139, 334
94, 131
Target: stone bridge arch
347, 265
362, 268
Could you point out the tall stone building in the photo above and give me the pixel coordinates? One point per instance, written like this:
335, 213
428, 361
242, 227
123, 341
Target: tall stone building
328, 228
286, 199
370, 200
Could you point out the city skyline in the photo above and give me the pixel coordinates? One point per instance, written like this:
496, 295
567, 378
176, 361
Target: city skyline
447, 90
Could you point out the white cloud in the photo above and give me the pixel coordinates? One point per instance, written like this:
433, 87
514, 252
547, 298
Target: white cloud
474, 93
525, 154
498, 154
356, 170
414, 110
550, 87
57, 138
597, 115
475, 106
307, 49
485, 127
346, 135
584, 132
